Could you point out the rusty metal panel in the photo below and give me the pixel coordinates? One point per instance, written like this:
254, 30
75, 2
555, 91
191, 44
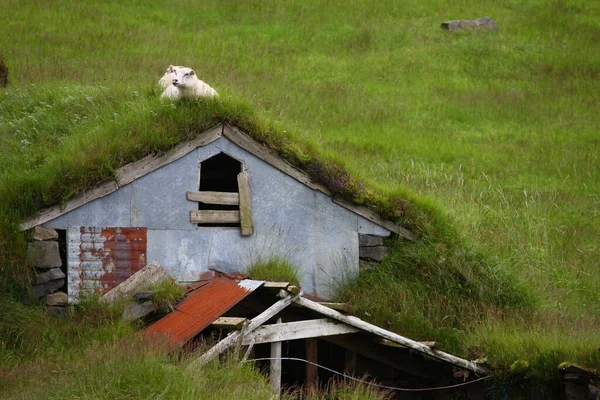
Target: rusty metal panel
202, 307
99, 259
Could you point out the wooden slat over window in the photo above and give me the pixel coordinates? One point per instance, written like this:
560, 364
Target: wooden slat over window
215, 217
245, 203
224, 198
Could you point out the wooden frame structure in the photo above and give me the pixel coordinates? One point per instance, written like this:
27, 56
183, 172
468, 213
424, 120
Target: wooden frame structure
333, 327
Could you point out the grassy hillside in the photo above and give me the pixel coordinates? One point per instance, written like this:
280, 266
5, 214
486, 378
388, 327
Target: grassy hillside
491, 136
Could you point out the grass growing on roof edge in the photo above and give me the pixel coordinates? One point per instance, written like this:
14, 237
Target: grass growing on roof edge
438, 288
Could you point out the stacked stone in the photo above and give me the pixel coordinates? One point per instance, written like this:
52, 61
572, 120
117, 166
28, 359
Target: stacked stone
44, 255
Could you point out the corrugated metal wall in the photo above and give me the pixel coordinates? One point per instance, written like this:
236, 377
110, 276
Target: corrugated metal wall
100, 258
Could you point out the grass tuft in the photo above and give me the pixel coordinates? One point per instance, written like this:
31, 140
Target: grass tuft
276, 269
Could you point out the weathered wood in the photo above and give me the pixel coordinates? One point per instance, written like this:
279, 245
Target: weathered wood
369, 240
53, 212
136, 170
248, 351
338, 306
229, 323
275, 367
377, 253
207, 197
214, 216
270, 157
386, 342
254, 323
151, 274
298, 330
247, 227
312, 373
394, 337
275, 285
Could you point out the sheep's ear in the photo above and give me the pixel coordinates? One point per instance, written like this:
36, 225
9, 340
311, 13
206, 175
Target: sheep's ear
170, 69
192, 72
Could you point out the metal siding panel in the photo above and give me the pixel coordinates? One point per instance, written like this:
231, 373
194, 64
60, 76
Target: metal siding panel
99, 259
200, 308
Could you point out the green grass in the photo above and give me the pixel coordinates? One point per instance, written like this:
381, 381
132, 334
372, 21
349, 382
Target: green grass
277, 269
486, 143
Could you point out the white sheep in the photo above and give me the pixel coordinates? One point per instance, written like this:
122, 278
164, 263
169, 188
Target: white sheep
185, 84
167, 78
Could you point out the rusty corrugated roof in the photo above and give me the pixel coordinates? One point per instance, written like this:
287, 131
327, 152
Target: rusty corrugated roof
202, 307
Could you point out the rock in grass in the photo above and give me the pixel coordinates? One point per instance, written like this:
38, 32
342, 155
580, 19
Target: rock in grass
57, 311
135, 311
48, 287
50, 275
57, 299
480, 23
44, 255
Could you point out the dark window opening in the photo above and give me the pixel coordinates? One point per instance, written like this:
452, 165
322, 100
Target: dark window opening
219, 174
62, 249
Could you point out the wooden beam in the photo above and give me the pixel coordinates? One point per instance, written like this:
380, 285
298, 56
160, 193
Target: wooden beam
312, 373
337, 306
54, 212
247, 227
229, 323
207, 197
254, 323
394, 337
385, 342
275, 285
151, 274
298, 330
136, 170
214, 216
275, 367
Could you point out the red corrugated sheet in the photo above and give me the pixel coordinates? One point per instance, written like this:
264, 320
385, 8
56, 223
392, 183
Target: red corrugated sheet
201, 308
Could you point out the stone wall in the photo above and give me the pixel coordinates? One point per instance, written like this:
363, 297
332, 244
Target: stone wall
49, 280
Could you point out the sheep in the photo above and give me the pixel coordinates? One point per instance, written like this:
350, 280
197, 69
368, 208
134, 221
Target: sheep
167, 79
185, 84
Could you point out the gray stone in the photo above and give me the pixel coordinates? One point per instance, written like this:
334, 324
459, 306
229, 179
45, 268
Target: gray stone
57, 311
48, 287
57, 299
370, 240
135, 311
145, 295
480, 23
44, 255
376, 253
50, 275
43, 234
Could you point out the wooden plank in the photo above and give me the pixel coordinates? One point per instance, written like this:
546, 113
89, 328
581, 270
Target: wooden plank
214, 216
337, 306
312, 373
254, 323
276, 285
394, 337
136, 170
151, 274
298, 330
376, 253
386, 342
207, 197
275, 367
374, 217
369, 240
54, 212
247, 227
270, 157
229, 323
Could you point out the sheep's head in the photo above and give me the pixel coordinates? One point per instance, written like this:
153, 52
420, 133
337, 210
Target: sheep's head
184, 77
167, 79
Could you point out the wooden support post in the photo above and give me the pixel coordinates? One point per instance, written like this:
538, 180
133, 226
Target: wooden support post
247, 227
275, 370
312, 373
350, 362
